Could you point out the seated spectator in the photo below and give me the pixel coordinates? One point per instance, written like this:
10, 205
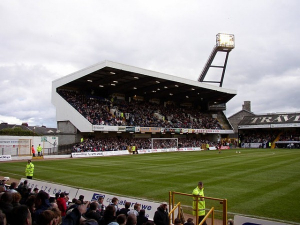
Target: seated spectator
57, 216
177, 221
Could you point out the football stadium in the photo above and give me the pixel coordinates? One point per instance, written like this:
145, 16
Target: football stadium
146, 137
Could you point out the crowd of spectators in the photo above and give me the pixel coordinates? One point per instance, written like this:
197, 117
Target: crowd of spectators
290, 136
258, 136
116, 112
117, 144
22, 206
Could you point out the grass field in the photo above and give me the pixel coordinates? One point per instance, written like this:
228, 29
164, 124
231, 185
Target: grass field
258, 182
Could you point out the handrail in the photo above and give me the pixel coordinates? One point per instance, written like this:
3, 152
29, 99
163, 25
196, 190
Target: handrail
212, 217
176, 206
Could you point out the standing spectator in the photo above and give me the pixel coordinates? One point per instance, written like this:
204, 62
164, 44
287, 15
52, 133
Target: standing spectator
126, 209
114, 202
136, 209
199, 190
33, 151
101, 206
109, 215
93, 213
29, 170
62, 204
39, 150
141, 218
161, 215
41, 204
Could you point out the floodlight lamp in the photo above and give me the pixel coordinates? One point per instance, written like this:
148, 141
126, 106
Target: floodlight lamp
225, 40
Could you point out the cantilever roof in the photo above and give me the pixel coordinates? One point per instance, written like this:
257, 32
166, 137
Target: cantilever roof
108, 77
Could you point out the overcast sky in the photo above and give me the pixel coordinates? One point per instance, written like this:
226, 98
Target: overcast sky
45, 40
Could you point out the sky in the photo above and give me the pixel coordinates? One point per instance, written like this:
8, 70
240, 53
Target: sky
45, 40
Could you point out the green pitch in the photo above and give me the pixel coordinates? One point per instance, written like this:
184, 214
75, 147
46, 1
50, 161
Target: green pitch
257, 182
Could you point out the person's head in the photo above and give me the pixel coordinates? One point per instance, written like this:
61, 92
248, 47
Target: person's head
137, 207
46, 218
121, 219
81, 197
36, 190
41, 198
131, 220
149, 222
115, 200
62, 195
25, 182
177, 221
142, 212
29, 161
6, 197
57, 215
127, 205
101, 199
200, 185
30, 203
164, 205
93, 206
16, 197
110, 211
190, 220
20, 215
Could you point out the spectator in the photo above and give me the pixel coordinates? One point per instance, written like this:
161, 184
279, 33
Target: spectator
109, 215
122, 219
126, 209
161, 215
6, 203
41, 204
46, 218
141, 218
93, 213
135, 210
114, 202
16, 197
62, 204
2, 218
131, 219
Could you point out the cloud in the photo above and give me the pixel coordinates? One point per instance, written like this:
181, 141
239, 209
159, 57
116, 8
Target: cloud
43, 41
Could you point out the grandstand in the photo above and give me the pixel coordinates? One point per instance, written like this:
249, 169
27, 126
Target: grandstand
113, 100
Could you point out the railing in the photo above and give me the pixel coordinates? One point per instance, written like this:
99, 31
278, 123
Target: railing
172, 212
211, 211
219, 200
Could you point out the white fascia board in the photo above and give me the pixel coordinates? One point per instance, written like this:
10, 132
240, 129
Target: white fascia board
168, 77
76, 75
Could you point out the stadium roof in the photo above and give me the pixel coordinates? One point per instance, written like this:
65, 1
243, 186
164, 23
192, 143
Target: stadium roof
108, 77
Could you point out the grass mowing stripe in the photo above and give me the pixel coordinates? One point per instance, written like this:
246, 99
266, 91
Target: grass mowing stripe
250, 180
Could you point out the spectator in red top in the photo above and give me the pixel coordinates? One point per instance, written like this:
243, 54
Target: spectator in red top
33, 151
61, 203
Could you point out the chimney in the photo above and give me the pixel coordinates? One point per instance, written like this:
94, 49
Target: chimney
25, 124
247, 106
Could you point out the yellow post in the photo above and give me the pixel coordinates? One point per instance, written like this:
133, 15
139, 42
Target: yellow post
224, 211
